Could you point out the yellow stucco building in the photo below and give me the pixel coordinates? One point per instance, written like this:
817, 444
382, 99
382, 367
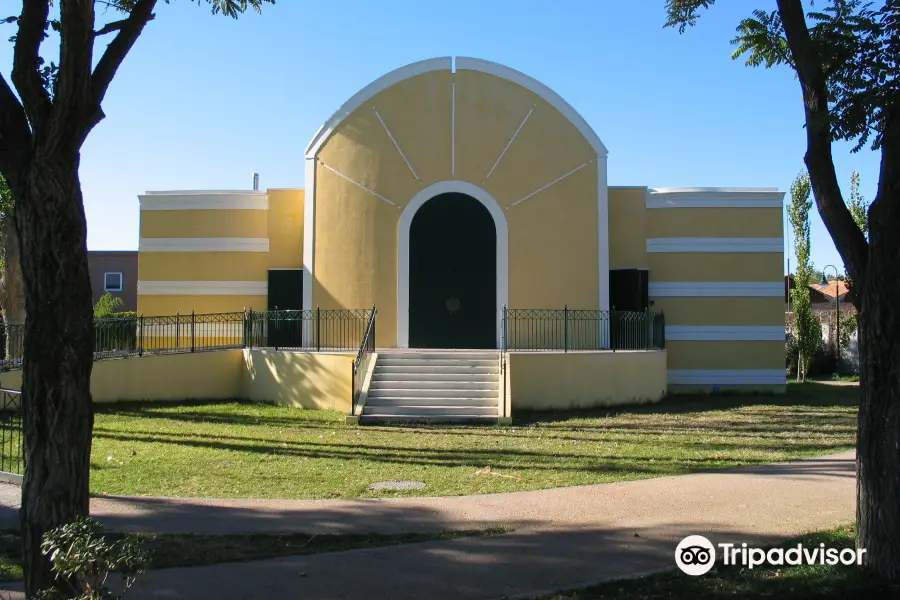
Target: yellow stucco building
451, 188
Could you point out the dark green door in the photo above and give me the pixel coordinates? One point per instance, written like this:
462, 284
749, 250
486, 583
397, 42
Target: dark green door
453, 275
285, 329
628, 294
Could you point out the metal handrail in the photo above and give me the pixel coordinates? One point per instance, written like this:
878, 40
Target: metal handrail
361, 362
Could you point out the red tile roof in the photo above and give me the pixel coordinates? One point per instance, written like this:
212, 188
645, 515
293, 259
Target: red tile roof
833, 288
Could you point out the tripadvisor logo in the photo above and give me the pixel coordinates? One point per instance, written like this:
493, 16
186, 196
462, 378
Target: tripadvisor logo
696, 555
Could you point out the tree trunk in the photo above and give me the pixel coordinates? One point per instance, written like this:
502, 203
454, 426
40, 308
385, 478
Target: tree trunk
878, 437
12, 293
58, 413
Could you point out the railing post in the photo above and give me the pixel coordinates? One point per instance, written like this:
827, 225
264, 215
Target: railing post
565, 328
177, 331
250, 328
141, 335
277, 328
193, 324
318, 329
504, 342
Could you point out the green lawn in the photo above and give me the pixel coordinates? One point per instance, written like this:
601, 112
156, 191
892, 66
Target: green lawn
254, 450
800, 582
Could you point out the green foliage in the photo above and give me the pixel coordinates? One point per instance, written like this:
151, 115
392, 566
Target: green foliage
6, 200
823, 361
106, 306
84, 558
859, 208
858, 47
807, 329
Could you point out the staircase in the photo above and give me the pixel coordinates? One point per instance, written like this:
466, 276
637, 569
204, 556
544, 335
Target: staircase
437, 386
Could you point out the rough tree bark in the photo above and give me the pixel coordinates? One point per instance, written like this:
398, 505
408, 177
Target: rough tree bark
875, 267
58, 412
878, 444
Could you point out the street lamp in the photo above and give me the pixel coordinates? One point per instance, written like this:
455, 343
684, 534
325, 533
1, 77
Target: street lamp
837, 308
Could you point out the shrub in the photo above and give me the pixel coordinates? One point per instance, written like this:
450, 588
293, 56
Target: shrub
824, 360
82, 557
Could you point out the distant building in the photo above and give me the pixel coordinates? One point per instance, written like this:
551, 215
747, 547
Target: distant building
114, 271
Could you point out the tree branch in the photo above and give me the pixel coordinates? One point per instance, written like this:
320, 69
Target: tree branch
848, 238
114, 26
115, 53
26, 74
15, 135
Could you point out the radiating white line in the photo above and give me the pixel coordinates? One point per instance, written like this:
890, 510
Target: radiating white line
508, 144
544, 187
396, 145
358, 184
453, 130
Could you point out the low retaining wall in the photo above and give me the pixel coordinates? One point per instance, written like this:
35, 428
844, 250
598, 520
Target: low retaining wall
301, 379
557, 380
214, 375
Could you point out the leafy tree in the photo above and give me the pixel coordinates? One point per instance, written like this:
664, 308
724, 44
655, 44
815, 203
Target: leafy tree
807, 328
846, 58
58, 100
106, 306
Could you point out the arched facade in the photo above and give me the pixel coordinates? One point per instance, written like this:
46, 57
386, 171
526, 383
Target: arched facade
710, 259
468, 126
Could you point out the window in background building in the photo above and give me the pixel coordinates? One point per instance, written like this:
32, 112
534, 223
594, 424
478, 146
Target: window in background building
112, 282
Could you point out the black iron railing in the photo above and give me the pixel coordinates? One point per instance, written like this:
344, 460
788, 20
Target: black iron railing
12, 456
312, 330
361, 363
566, 329
317, 330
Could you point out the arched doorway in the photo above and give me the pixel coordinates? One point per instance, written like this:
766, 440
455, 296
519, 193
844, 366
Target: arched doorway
452, 274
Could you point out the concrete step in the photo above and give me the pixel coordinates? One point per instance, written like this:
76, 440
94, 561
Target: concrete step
394, 361
434, 384
413, 409
428, 420
427, 401
451, 354
432, 393
457, 369
422, 377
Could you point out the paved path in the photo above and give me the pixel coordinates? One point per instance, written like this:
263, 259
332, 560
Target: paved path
564, 537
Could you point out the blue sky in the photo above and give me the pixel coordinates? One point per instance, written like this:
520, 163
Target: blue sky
202, 102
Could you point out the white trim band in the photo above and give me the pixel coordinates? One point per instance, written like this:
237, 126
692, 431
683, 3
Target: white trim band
758, 289
203, 288
210, 244
714, 198
187, 200
727, 377
775, 244
725, 333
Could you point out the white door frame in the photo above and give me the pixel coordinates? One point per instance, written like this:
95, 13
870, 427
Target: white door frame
406, 219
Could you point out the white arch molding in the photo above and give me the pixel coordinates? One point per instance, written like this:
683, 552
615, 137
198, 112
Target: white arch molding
330, 127
406, 219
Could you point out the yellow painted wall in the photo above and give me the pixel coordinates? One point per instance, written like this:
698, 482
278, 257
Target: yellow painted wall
282, 223
627, 227
552, 235
728, 222
726, 355
285, 227
203, 266
544, 380
716, 266
168, 377
169, 305
203, 223
721, 311
304, 380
